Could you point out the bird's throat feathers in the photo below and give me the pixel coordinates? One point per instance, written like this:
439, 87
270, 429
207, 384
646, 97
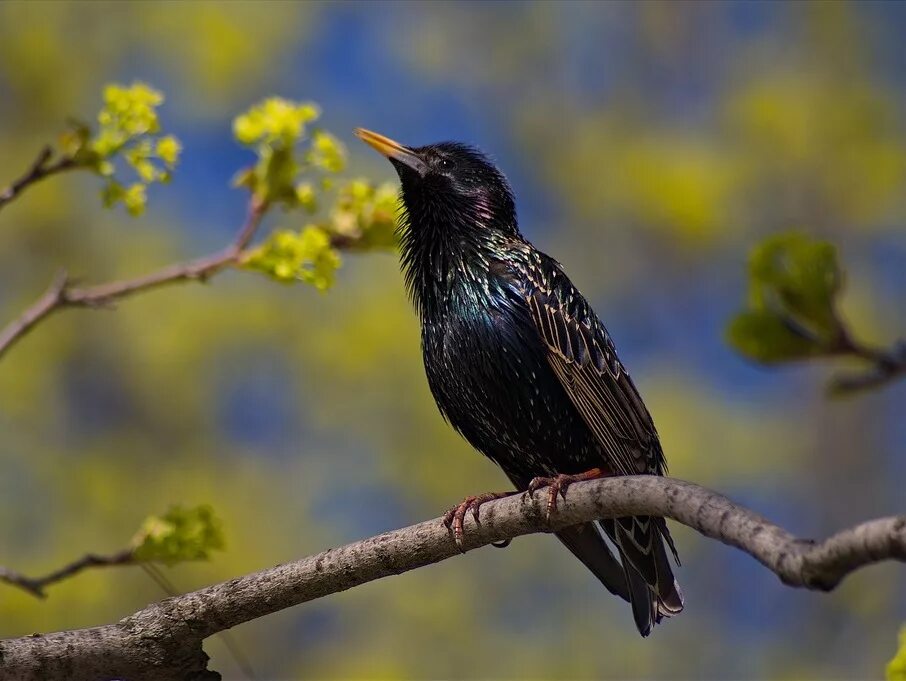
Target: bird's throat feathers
447, 243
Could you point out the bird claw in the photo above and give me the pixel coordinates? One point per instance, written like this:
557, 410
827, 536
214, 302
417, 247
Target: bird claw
454, 518
558, 484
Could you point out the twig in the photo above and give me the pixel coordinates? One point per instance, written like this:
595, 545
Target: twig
47, 303
37, 585
60, 295
885, 365
163, 641
40, 168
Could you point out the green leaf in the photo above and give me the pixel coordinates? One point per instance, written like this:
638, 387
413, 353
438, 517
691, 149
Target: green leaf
800, 275
108, 142
304, 256
245, 178
794, 281
111, 193
135, 198
896, 668
131, 110
767, 337
168, 150
276, 175
274, 129
305, 195
105, 168
276, 121
366, 214
129, 129
179, 535
74, 140
327, 152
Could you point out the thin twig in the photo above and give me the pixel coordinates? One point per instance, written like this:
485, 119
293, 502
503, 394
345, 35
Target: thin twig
41, 168
37, 585
884, 365
60, 295
164, 640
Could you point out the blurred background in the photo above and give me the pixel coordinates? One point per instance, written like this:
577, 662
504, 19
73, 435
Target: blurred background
650, 146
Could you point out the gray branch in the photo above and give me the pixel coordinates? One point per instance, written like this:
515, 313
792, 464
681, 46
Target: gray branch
164, 640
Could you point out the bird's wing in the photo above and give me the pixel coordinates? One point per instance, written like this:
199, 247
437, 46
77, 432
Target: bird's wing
585, 361
583, 357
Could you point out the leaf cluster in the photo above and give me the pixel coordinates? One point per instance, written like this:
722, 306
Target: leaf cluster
180, 534
794, 283
296, 167
128, 129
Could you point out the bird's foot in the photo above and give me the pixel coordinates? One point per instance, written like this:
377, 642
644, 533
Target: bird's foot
453, 519
558, 485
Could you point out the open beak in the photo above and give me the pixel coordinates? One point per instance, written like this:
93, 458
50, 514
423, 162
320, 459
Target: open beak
392, 150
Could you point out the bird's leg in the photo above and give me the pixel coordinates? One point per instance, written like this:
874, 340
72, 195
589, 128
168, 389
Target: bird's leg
453, 519
558, 485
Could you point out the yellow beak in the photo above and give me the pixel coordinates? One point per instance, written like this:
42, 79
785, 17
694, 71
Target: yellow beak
392, 150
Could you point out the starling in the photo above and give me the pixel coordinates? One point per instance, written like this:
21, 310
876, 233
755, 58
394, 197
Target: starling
521, 366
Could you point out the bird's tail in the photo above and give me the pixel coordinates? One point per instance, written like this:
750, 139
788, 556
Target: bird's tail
589, 546
653, 591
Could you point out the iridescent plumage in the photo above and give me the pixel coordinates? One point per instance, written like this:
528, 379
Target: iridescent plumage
519, 363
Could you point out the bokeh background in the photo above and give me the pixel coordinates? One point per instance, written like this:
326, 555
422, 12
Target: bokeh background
650, 146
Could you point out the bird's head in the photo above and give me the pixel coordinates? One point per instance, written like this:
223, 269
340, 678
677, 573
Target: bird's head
449, 189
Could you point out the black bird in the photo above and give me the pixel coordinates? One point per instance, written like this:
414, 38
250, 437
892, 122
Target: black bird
521, 366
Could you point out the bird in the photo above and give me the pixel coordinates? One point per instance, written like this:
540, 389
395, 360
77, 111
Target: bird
521, 366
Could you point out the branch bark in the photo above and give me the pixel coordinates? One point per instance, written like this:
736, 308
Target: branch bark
164, 640
40, 168
60, 295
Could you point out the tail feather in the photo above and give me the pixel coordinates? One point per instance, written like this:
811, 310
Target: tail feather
644, 608
640, 541
665, 533
669, 596
642, 576
587, 544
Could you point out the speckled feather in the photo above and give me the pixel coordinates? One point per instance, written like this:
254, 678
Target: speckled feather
521, 366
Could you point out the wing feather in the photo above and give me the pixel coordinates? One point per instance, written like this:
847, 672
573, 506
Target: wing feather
585, 361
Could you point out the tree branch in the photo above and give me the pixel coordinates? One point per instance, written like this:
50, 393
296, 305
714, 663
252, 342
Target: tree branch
36, 585
41, 308
41, 168
164, 640
60, 295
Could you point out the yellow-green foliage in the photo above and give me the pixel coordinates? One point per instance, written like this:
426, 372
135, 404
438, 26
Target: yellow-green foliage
366, 214
306, 256
105, 417
288, 149
128, 128
896, 668
179, 535
793, 284
327, 152
277, 131
362, 217
276, 121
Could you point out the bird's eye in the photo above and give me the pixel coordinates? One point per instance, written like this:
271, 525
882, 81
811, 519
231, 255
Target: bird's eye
445, 164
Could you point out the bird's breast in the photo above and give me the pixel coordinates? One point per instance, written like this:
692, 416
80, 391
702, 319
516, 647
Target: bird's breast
489, 375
